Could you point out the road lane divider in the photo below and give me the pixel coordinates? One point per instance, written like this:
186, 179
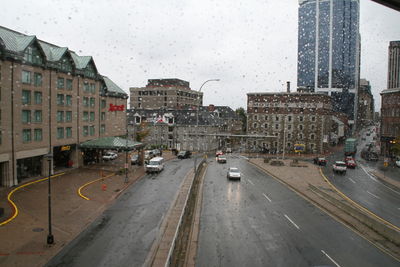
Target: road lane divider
329, 257
352, 180
250, 181
89, 183
290, 220
15, 208
359, 206
267, 197
373, 195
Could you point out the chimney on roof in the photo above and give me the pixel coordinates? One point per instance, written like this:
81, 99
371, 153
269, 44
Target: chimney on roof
288, 87
211, 107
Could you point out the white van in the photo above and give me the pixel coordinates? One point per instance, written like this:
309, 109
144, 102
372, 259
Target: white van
155, 165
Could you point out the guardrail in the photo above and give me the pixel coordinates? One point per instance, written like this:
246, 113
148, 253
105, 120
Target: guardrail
184, 213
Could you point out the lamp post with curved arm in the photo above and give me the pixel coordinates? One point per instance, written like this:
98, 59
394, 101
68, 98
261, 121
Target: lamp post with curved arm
197, 117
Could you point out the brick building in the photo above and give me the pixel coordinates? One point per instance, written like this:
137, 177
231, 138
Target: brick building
390, 109
165, 93
289, 119
365, 111
51, 100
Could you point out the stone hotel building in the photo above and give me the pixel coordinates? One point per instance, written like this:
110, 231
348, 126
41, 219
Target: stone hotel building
51, 101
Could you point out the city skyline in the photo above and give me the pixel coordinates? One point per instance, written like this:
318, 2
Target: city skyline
239, 44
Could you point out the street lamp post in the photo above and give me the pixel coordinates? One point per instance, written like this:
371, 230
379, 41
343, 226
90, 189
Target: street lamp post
50, 237
197, 118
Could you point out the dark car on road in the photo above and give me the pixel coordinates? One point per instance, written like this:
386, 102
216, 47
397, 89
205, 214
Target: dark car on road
320, 161
184, 154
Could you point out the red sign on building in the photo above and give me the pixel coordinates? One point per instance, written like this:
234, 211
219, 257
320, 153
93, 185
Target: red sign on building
116, 107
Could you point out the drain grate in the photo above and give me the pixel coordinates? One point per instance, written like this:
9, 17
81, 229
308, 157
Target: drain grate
38, 229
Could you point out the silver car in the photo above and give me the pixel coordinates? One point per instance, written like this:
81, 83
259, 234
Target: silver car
233, 174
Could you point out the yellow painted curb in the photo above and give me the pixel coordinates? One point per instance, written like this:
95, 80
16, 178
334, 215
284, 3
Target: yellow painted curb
358, 205
16, 189
89, 183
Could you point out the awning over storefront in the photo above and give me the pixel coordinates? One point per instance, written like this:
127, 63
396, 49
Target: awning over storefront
111, 143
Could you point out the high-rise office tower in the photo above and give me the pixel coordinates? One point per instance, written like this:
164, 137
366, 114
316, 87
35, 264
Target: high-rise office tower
394, 65
329, 50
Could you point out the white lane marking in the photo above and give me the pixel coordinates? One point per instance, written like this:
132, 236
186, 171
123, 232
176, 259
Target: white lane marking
352, 180
250, 181
369, 175
287, 217
267, 197
373, 195
332, 260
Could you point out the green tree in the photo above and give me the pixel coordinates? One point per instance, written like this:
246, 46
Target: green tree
241, 112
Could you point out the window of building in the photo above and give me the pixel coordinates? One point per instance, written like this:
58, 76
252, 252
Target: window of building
85, 130
26, 116
68, 132
103, 116
33, 55
60, 99
37, 79
266, 125
68, 100
38, 136
301, 118
26, 77
68, 84
86, 87
103, 128
300, 136
92, 101
312, 136
312, 127
85, 116
26, 97
91, 116
60, 83
289, 136
91, 130
68, 116
255, 117
60, 132
26, 135
255, 125
289, 127
37, 116
65, 64
85, 101
289, 118
301, 127
93, 88
276, 118
103, 103
276, 126
312, 118
288, 145
60, 116
38, 98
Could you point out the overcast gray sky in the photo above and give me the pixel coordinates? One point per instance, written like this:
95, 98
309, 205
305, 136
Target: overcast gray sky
250, 45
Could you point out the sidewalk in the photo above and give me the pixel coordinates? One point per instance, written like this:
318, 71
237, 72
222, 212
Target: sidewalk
23, 239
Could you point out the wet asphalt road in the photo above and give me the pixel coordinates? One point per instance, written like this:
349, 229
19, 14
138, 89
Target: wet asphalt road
260, 222
124, 234
365, 189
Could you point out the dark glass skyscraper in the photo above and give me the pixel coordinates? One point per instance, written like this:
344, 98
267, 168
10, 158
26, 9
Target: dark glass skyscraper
328, 50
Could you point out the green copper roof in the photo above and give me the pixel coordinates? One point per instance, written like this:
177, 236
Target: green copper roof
52, 52
80, 61
112, 87
15, 42
111, 143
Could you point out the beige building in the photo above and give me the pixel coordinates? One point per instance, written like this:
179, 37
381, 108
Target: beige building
51, 100
290, 121
165, 94
365, 111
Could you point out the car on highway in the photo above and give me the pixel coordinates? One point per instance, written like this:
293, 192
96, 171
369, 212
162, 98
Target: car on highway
110, 155
397, 162
184, 154
155, 165
320, 161
221, 159
351, 163
228, 150
233, 174
219, 152
339, 167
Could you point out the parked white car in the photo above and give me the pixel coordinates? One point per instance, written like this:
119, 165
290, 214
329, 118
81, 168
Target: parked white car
155, 165
398, 162
110, 156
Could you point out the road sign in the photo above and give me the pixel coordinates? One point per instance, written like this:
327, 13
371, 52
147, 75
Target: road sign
385, 164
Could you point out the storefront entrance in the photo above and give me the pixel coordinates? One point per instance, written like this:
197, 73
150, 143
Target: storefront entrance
62, 156
29, 167
3, 173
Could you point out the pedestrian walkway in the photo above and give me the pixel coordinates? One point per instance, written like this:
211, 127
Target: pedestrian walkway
24, 238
